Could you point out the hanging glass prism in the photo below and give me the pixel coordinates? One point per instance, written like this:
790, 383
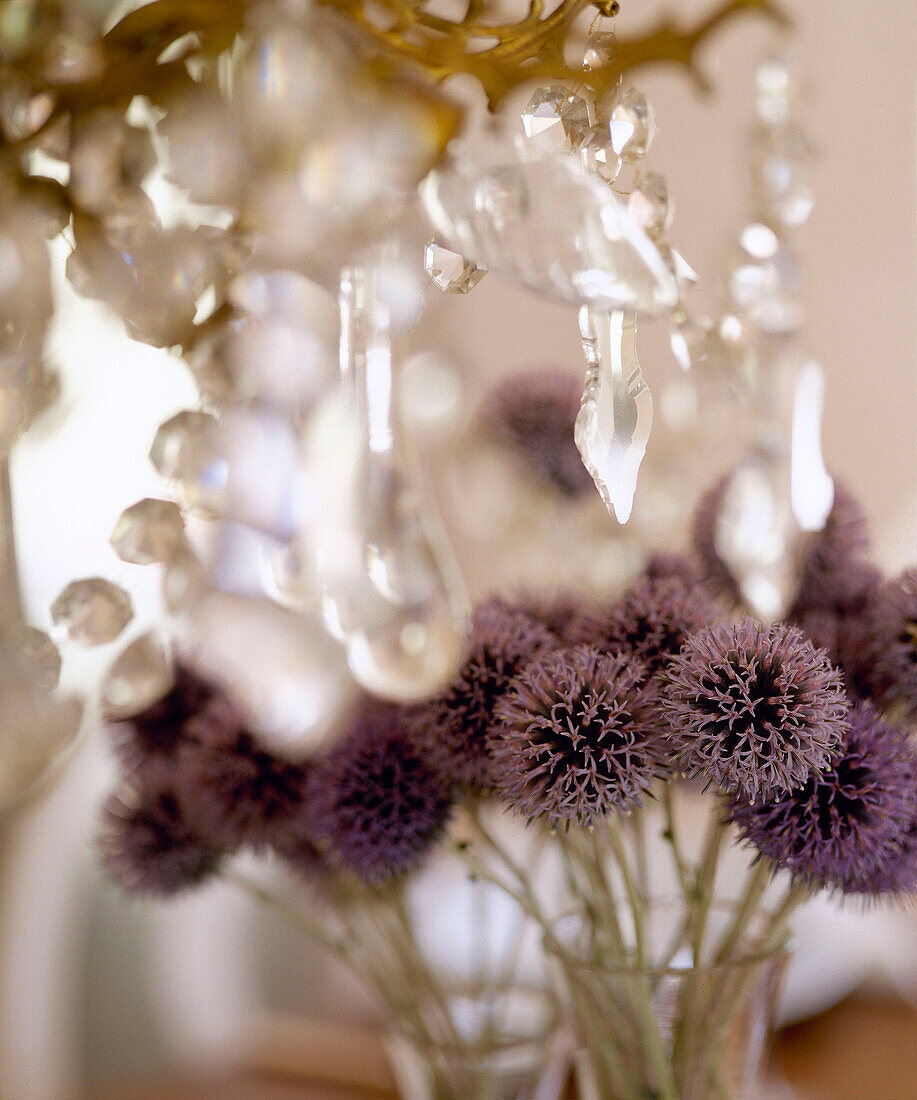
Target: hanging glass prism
616, 415
389, 588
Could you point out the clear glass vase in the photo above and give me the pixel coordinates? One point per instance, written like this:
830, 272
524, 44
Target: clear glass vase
493, 1045
664, 1027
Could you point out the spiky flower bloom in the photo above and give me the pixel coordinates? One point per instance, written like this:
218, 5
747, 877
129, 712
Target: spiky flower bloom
577, 737
234, 792
454, 726
654, 619
534, 413
376, 804
849, 828
756, 709
147, 845
703, 538
834, 574
157, 732
893, 642
569, 616
847, 640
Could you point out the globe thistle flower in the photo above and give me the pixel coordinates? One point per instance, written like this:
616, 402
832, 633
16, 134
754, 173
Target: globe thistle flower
850, 827
234, 792
156, 733
454, 726
753, 708
569, 616
654, 619
376, 804
893, 643
147, 845
703, 538
834, 574
534, 414
847, 640
577, 737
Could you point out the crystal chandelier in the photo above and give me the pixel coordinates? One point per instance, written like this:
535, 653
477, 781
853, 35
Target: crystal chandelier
238, 182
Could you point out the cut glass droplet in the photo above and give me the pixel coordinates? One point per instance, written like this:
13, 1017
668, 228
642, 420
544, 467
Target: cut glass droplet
756, 536
598, 156
556, 118
600, 49
781, 185
777, 90
149, 531
812, 488
616, 415
92, 611
632, 126
139, 677
649, 203
450, 270
186, 450
41, 655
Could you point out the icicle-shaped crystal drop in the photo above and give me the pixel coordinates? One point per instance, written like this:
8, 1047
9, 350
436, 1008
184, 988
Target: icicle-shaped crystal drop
389, 587
756, 536
616, 415
811, 486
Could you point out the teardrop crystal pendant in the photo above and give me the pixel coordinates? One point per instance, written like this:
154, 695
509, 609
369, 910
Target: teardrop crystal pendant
811, 486
389, 587
756, 535
616, 415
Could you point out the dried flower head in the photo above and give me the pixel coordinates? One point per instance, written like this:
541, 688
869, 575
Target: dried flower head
147, 845
753, 708
570, 616
849, 828
834, 574
157, 732
577, 737
454, 726
376, 804
234, 792
847, 640
654, 619
534, 414
893, 643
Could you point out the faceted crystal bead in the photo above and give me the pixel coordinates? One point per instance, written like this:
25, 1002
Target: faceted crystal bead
450, 270
598, 156
41, 655
139, 677
777, 90
649, 203
616, 415
92, 611
556, 118
149, 531
600, 49
782, 189
632, 125
722, 353
185, 449
684, 274
766, 288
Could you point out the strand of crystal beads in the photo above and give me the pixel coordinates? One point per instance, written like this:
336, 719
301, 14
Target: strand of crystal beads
389, 585
782, 489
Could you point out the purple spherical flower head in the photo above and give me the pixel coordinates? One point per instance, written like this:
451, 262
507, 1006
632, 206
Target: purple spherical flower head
703, 537
147, 845
570, 616
893, 643
654, 619
578, 737
235, 792
454, 726
851, 827
534, 413
752, 708
375, 803
847, 640
156, 733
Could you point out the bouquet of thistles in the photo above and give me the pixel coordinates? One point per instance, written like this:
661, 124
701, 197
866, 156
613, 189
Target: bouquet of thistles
602, 727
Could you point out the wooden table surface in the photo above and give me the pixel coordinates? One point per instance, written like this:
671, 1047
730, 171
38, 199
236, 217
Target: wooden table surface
863, 1049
